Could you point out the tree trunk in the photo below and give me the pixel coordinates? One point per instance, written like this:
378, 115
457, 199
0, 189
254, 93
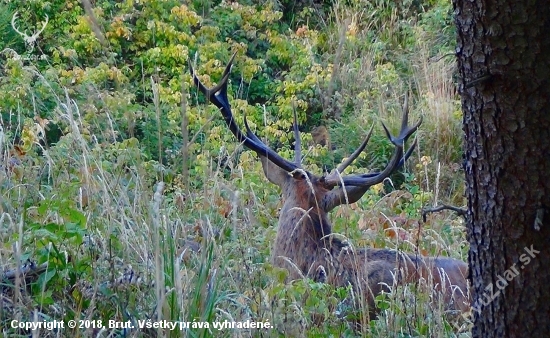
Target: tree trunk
503, 56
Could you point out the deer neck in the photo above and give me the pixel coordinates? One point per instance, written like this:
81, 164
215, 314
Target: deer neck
303, 236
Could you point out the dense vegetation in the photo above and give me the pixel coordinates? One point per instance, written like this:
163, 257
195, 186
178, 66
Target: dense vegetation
113, 168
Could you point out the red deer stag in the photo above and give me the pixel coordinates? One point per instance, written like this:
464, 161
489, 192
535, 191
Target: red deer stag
304, 244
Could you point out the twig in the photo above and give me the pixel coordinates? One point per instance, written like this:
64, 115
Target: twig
460, 211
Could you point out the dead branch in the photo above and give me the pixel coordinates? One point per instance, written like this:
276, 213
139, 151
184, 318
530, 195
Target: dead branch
460, 211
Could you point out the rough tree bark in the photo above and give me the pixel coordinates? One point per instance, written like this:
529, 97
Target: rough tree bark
503, 56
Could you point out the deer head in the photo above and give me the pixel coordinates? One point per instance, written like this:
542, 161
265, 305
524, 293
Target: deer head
302, 189
304, 243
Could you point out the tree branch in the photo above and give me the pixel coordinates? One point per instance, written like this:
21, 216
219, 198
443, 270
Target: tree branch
460, 211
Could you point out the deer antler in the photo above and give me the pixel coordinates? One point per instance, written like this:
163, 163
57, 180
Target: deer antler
218, 96
366, 180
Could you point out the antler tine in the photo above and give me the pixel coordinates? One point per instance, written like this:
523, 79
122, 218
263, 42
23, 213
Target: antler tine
396, 161
406, 131
401, 161
405, 120
335, 174
218, 96
297, 140
14, 17
35, 35
356, 153
211, 92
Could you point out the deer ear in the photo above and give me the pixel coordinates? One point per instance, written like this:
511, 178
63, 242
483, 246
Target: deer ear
272, 172
343, 195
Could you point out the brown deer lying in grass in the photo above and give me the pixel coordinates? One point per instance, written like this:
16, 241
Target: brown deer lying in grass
305, 245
